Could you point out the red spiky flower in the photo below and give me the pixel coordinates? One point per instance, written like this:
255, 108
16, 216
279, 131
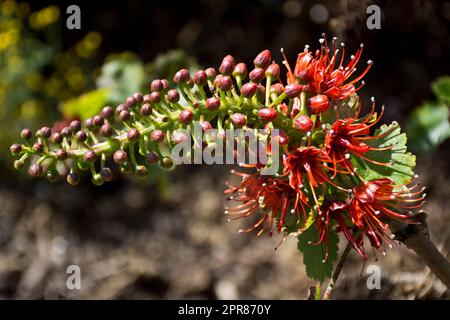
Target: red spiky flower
348, 136
325, 73
273, 196
375, 201
335, 211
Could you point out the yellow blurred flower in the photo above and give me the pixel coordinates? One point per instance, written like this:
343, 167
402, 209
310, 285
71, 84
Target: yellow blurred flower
43, 18
8, 7
88, 45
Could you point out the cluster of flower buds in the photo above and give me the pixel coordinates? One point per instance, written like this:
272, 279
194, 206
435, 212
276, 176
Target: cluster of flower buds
323, 142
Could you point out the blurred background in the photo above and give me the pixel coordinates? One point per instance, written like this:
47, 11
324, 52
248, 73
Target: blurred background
167, 237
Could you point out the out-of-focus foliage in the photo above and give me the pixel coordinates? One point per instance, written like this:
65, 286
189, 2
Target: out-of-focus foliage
35, 74
428, 125
123, 74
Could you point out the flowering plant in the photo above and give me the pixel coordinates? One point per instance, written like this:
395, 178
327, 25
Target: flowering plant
338, 174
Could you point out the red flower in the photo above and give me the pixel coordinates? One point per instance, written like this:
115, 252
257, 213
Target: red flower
335, 210
347, 136
325, 73
273, 196
374, 201
307, 163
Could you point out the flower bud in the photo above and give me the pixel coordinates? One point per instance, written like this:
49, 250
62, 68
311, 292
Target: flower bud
318, 104
206, 125
267, 114
166, 84
81, 136
35, 170
138, 97
133, 134
261, 92
248, 90
211, 73
200, 78
26, 134
73, 178
182, 76
273, 71
167, 163
293, 90
178, 137
56, 138
66, 132
173, 96
277, 89
97, 179
146, 109
52, 175
45, 132
186, 116
141, 171
152, 157
124, 115
157, 135
107, 112
15, 148
256, 75
88, 123
212, 104
156, 85
155, 97
120, 156
120, 108
97, 121
61, 154
263, 59
303, 123
227, 65
38, 147
106, 174
106, 130
90, 156
131, 102
18, 164
240, 70
238, 120
225, 83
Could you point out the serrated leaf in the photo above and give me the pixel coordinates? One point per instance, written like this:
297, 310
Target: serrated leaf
313, 255
86, 105
403, 163
428, 127
441, 88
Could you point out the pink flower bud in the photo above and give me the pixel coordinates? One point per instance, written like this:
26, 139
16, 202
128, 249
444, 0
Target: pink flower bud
238, 120
263, 59
256, 75
273, 71
186, 116
248, 90
267, 114
212, 104
303, 123
240, 71
318, 104
293, 90
227, 65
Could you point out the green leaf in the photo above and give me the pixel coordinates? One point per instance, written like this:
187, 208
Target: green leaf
428, 127
403, 163
441, 88
313, 255
86, 105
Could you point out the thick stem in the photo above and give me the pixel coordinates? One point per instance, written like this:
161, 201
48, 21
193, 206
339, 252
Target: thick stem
417, 238
337, 272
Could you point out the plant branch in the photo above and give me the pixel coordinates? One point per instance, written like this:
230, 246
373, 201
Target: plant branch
337, 272
417, 238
